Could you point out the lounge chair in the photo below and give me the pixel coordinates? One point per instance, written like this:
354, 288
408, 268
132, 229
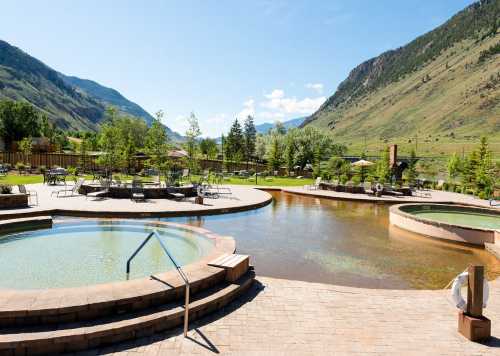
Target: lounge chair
207, 191
104, 190
176, 195
29, 193
314, 186
72, 190
368, 187
388, 189
137, 193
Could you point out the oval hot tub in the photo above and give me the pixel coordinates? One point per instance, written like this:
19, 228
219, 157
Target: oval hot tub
458, 223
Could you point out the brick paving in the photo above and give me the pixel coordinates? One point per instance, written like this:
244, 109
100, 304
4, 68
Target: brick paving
285, 317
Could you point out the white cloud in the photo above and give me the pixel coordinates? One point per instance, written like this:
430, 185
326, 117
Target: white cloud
275, 94
248, 109
317, 87
278, 103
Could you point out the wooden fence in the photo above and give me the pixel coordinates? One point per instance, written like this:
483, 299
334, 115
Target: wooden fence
74, 160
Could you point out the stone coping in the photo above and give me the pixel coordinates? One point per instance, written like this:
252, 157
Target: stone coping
400, 216
29, 223
55, 305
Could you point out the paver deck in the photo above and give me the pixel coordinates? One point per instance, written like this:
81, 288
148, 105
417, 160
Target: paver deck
300, 318
243, 198
435, 196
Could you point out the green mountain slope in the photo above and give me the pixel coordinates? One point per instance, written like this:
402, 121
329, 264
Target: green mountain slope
441, 90
70, 102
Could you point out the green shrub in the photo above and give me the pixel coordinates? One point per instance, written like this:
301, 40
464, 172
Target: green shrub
445, 186
344, 178
5, 189
356, 180
20, 166
71, 170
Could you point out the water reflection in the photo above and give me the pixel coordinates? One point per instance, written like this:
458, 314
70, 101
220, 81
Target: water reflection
341, 242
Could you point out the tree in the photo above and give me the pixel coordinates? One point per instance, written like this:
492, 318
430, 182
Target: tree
275, 155
157, 144
192, 134
109, 142
208, 147
249, 134
411, 171
234, 146
260, 147
25, 146
454, 166
82, 151
383, 170
18, 120
338, 166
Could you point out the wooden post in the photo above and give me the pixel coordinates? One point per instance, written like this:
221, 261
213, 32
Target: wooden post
471, 323
475, 291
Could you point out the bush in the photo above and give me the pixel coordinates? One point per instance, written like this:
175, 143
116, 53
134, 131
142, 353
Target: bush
445, 186
5, 189
326, 175
71, 170
20, 166
344, 178
356, 180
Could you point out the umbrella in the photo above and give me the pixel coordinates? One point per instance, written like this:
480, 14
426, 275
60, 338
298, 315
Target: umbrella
363, 163
177, 154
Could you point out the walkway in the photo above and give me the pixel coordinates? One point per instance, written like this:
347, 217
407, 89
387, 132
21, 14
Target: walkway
436, 196
243, 198
300, 318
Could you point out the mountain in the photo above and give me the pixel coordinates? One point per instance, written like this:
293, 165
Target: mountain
110, 96
265, 127
442, 89
69, 102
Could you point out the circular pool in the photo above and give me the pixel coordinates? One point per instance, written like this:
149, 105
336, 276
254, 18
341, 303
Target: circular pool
86, 252
451, 222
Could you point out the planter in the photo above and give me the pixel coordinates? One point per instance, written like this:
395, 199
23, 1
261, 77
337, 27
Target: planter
13, 201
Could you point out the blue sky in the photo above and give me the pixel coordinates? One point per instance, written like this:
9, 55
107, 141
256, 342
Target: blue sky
273, 59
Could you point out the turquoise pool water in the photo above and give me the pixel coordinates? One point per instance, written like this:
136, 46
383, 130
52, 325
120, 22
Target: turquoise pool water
467, 218
91, 252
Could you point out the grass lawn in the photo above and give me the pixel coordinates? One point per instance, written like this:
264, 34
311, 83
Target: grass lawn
276, 181
14, 179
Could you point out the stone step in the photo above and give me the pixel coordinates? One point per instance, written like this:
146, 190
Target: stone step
70, 337
55, 306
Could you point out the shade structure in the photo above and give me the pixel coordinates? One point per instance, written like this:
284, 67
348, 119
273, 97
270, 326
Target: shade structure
177, 154
363, 163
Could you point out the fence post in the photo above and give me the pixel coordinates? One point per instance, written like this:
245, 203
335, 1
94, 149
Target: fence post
471, 323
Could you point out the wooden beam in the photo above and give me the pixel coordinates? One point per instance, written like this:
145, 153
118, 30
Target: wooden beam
475, 291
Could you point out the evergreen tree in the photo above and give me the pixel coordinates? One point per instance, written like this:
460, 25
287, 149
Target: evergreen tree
250, 135
234, 144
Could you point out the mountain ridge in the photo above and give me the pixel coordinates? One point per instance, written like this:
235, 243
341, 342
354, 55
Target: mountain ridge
436, 74
70, 102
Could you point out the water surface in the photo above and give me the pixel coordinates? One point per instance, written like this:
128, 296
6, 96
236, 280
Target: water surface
341, 242
467, 218
91, 252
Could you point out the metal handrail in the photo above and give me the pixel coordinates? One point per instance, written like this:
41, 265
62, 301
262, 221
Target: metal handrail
177, 267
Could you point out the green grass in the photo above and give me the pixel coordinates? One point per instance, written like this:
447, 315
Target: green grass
14, 179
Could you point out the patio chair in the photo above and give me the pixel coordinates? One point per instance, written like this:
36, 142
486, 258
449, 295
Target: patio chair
314, 186
137, 193
29, 193
72, 190
176, 195
98, 194
155, 182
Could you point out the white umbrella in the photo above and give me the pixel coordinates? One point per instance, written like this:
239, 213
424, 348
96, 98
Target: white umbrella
363, 163
177, 154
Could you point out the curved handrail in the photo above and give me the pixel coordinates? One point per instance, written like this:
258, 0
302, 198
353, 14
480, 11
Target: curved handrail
177, 267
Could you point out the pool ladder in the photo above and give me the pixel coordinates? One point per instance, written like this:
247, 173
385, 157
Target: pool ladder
155, 234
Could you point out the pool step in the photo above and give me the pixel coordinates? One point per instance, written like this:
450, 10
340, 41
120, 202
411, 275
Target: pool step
32, 308
70, 337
